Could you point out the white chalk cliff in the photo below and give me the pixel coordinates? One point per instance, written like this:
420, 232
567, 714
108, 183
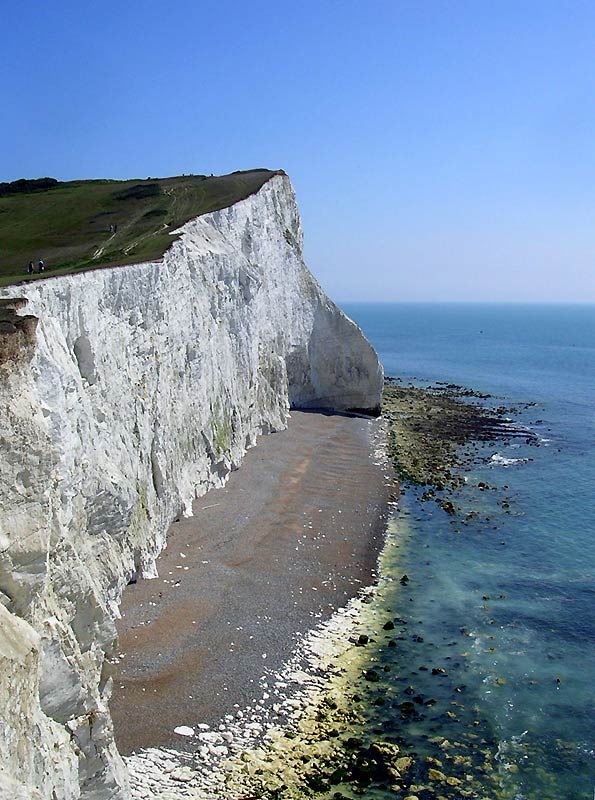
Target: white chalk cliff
140, 388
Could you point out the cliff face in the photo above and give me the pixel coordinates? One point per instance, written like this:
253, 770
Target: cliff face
142, 389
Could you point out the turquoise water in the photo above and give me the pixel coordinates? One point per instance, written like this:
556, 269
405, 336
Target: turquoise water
506, 603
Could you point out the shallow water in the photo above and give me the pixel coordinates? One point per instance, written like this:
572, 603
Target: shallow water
504, 604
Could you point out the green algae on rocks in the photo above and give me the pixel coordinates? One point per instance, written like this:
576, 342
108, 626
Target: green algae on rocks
432, 428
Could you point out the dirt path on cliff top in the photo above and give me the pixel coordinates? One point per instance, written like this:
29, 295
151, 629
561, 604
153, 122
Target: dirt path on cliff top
293, 535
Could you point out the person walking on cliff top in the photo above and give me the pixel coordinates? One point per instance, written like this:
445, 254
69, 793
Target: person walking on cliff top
30, 268
41, 265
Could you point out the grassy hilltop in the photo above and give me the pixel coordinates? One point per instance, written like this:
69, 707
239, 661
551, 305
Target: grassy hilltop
67, 224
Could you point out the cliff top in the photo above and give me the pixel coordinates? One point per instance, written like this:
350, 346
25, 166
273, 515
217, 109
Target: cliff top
79, 225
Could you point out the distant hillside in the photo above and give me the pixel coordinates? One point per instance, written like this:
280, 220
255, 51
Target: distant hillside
78, 225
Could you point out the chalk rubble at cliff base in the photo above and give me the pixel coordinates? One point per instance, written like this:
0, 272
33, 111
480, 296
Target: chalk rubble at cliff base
144, 387
228, 756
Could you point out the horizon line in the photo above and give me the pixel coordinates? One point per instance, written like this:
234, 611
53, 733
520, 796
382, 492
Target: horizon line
472, 302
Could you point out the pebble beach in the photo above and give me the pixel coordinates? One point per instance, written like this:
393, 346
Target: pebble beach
247, 595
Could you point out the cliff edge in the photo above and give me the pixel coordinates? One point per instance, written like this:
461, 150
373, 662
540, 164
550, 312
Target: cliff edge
128, 392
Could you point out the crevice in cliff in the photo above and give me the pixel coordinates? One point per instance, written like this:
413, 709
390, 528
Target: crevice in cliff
156, 472
85, 359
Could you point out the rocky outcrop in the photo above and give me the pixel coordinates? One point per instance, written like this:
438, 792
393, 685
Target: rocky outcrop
140, 388
17, 333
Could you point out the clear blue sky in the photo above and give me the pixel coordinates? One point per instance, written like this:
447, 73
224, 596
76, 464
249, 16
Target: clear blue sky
439, 150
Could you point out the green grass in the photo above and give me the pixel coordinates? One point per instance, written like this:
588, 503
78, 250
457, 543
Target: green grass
68, 226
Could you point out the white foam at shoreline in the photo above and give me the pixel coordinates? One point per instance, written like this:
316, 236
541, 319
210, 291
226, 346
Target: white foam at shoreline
502, 461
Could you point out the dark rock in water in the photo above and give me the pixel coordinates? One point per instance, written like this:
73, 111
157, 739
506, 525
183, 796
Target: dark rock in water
372, 676
338, 776
407, 707
353, 743
438, 671
404, 580
448, 506
389, 626
362, 640
317, 783
364, 768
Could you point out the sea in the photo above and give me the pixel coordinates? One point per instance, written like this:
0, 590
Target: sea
498, 613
